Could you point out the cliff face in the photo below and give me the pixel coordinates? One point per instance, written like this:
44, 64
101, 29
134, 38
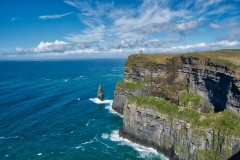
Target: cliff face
217, 84
176, 138
196, 85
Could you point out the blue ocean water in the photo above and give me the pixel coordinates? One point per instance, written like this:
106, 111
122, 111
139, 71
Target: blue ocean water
49, 110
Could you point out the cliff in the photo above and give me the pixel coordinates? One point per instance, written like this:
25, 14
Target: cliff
191, 88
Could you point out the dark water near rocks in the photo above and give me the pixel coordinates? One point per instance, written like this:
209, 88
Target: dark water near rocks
49, 110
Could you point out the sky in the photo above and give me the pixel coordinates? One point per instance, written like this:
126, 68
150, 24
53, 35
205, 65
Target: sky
71, 29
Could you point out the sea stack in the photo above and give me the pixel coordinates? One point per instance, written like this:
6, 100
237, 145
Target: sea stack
100, 93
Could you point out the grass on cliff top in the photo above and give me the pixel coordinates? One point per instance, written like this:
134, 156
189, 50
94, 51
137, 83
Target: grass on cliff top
226, 121
140, 59
227, 57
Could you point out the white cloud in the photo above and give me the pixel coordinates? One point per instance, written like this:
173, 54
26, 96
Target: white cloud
226, 43
225, 24
88, 35
188, 25
55, 16
215, 26
136, 43
45, 47
151, 25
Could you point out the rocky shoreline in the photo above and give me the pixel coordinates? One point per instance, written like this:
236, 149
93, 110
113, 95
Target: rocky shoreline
169, 153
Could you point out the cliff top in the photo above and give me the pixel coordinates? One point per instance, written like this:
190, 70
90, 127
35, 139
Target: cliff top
226, 57
230, 57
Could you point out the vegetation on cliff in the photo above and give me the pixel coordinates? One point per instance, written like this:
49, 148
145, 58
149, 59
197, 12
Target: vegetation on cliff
179, 92
130, 86
227, 57
140, 60
227, 121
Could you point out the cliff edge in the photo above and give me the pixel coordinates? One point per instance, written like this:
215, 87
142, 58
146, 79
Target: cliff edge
184, 105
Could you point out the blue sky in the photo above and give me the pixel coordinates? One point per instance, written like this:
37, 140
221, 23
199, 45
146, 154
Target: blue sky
56, 29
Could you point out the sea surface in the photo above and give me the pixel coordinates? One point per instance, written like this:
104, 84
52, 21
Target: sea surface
49, 110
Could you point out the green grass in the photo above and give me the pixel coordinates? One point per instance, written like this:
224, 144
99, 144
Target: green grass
140, 60
185, 98
229, 58
227, 121
226, 57
206, 154
131, 86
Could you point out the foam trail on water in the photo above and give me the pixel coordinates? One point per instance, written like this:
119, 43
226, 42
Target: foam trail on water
144, 152
88, 142
109, 107
98, 101
89, 121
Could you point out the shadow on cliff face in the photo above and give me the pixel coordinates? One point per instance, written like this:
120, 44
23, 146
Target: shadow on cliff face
218, 90
235, 156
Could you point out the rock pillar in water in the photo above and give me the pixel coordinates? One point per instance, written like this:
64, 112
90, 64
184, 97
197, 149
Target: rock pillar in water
100, 93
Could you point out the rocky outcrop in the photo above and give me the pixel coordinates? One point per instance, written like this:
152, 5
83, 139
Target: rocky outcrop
174, 137
199, 82
217, 84
100, 93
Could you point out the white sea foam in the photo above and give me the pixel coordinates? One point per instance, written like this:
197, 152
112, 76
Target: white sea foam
89, 121
39, 154
98, 101
105, 136
2, 137
80, 146
144, 152
109, 107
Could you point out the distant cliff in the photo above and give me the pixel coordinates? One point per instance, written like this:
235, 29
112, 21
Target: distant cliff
191, 87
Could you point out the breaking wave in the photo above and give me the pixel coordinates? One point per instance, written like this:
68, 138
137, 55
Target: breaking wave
144, 152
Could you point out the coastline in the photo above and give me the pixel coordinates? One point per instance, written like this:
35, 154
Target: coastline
169, 153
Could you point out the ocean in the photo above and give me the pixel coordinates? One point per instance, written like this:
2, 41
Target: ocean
49, 110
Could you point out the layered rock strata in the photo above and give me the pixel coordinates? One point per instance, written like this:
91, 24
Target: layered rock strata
217, 84
176, 138
200, 83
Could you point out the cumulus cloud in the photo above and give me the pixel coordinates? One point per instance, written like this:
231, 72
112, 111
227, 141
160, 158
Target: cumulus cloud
44, 47
55, 16
150, 25
226, 43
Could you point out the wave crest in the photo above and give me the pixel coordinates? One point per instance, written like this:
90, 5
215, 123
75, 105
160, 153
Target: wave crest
98, 101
